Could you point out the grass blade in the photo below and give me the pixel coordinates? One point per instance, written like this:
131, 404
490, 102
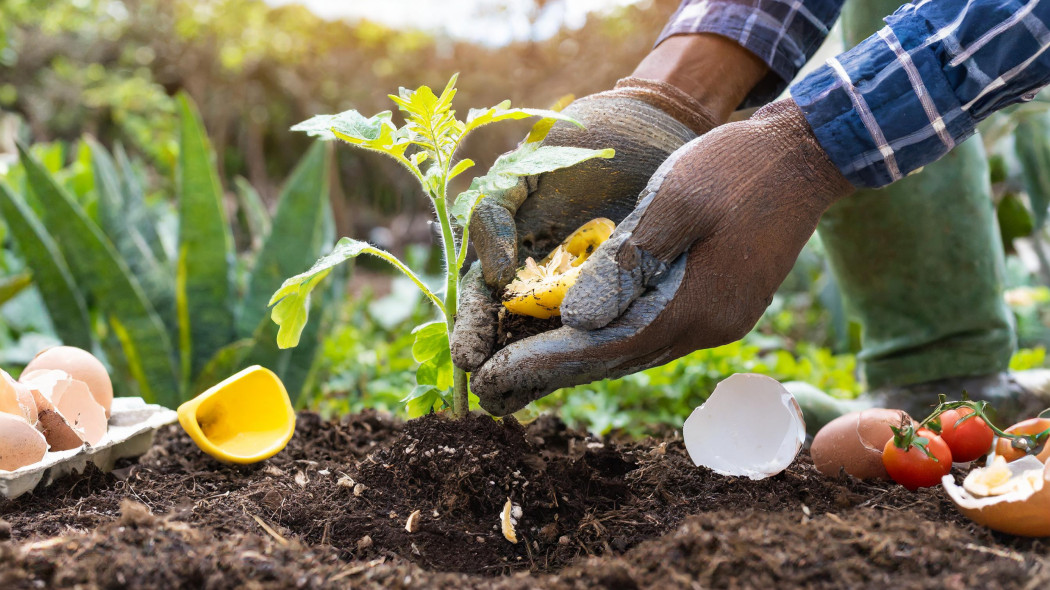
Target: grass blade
203, 300
106, 280
50, 273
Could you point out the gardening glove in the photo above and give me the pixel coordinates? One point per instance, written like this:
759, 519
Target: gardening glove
694, 266
643, 120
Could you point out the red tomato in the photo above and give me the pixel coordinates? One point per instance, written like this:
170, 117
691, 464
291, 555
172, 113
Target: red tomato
968, 441
911, 467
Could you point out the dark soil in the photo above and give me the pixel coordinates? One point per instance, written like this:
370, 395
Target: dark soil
513, 327
330, 512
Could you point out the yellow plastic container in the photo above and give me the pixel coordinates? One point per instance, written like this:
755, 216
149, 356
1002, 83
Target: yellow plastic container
245, 419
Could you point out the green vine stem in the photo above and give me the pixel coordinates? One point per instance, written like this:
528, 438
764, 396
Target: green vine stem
1026, 442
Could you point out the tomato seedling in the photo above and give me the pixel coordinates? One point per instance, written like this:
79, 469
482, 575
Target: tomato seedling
916, 458
426, 145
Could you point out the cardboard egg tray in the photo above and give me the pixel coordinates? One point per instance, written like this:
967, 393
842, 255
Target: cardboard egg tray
132, 425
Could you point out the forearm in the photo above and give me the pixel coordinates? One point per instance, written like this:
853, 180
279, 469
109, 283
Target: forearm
907, 95
745, 51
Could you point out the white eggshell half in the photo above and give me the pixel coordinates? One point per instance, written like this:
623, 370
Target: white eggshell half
20, 443
1023, 512
750, 426
82, 366
16, 398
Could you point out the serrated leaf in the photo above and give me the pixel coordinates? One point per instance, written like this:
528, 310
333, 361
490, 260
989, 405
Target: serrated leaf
463, 208
460, 167
291, 300
431, 340
503, 112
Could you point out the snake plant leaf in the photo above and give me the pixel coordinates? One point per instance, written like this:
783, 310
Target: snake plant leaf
50, 273
205, 249
100, 273
295, 238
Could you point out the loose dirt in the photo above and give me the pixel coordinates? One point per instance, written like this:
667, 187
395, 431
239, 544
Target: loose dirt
330, 512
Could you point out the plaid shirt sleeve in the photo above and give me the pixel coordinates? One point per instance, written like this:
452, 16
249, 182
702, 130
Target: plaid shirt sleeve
783, 33
908, 94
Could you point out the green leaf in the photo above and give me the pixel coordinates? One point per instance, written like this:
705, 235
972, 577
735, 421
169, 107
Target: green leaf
12, 286
205, 247
295, 239
436, 371
293, 310
460, 167
529, 158
113, 209
137, 213
1015, 221
103, 275
52, 276
502, 112
421, 400
431, 339
256, 217
431, 122
291, 299
228, 360
1032, 142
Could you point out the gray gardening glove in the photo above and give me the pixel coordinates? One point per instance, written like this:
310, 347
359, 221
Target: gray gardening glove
644, 121
694, 266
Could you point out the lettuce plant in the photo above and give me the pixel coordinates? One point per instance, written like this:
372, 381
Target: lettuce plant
426, 145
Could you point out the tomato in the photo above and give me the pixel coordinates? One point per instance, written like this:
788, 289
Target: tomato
969, 440
1032, 426
910, 466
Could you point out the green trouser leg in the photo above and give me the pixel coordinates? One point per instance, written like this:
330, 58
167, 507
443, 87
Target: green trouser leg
920, 263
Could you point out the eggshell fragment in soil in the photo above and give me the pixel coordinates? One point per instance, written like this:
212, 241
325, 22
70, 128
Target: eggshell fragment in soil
16, 398
69, 414
1022, 512
750, 426
854, 442
20, 443
82, 366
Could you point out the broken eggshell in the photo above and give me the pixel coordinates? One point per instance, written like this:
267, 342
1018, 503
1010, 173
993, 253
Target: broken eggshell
750, 426
20, 443
16, 398
1024, 511
854, 443
80, 365
69, 415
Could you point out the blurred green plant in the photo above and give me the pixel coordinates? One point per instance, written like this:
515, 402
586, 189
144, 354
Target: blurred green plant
171, 321
434, 135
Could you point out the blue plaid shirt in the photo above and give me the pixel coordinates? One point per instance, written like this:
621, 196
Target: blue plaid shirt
903, 97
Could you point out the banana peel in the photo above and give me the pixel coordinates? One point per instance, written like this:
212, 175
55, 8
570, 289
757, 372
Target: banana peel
539, 288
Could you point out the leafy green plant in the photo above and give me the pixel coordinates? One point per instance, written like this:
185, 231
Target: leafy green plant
426, 145
168, 319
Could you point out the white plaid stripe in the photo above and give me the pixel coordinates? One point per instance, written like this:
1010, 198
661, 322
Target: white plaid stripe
868, 119
992, 33
920, 89
1001, 81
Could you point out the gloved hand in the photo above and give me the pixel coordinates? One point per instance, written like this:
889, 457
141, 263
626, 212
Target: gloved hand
694, 266
644, 121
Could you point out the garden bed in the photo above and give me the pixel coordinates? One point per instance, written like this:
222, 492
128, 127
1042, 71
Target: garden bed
330, 511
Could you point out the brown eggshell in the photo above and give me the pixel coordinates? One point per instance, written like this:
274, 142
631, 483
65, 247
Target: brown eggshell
1015, 514
47, 387
16, 398
82, 366
20, 443
854, 442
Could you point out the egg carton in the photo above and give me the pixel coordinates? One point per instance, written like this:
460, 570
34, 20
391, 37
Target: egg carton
132, 425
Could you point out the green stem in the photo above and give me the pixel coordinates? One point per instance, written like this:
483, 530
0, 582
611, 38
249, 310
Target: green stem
460, 402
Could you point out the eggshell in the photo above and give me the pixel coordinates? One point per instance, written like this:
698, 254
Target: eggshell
69, 414
854, 442
16, 398
82, 366
1022, 513
20, 443
750, 426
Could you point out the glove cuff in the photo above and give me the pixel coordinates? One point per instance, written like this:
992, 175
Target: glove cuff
669, 99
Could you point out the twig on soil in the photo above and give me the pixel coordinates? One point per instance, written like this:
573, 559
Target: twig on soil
997, 552
270, 530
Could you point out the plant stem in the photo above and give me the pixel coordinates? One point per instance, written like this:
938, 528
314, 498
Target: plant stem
460, 401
